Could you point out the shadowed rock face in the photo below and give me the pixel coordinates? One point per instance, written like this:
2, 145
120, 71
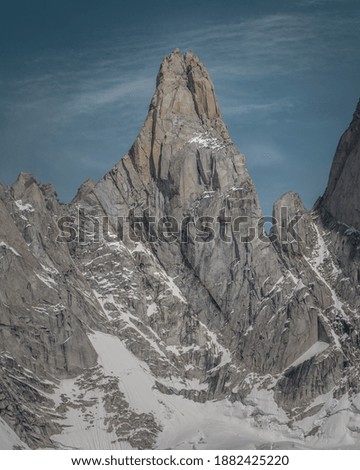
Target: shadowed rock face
342, 195
215, 315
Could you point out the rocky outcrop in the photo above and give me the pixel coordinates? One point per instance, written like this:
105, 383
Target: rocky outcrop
44, 311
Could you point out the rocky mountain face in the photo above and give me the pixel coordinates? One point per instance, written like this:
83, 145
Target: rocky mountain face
155, 312
343, 191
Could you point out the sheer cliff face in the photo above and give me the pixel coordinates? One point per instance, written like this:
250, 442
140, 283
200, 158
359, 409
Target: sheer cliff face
184, 165
342, 196
139, 331
339, 210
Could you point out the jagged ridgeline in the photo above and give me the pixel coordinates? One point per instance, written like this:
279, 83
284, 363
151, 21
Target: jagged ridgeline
153, 311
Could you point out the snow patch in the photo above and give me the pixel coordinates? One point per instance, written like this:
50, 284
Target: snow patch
151, 309
49, 269
24, 207
250, 328
315, 349
140, 248
8, 247
135, 377
207, 194
180, 384
207, 141
169, 281
264, 399
47, 281
316, 263
8, 438
86, 431
220, 350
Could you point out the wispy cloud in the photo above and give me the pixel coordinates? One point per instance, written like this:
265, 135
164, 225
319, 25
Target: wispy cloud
268, 46
277, 106
100, 94
306, 3
274, 45
264, 155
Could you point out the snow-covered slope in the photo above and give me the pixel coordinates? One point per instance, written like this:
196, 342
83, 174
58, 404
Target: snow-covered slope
8, 438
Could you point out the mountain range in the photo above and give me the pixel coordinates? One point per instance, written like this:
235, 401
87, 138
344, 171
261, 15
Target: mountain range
157, 311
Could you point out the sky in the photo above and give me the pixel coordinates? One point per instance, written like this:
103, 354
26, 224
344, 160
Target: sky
76, 79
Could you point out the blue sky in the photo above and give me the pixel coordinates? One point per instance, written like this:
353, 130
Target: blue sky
76, 79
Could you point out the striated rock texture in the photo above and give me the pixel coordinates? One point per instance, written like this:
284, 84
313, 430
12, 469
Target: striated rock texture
154, 310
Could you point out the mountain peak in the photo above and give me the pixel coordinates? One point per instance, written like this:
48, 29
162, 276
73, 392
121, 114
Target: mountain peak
356, 115
183, 109
183, 85
22, 183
